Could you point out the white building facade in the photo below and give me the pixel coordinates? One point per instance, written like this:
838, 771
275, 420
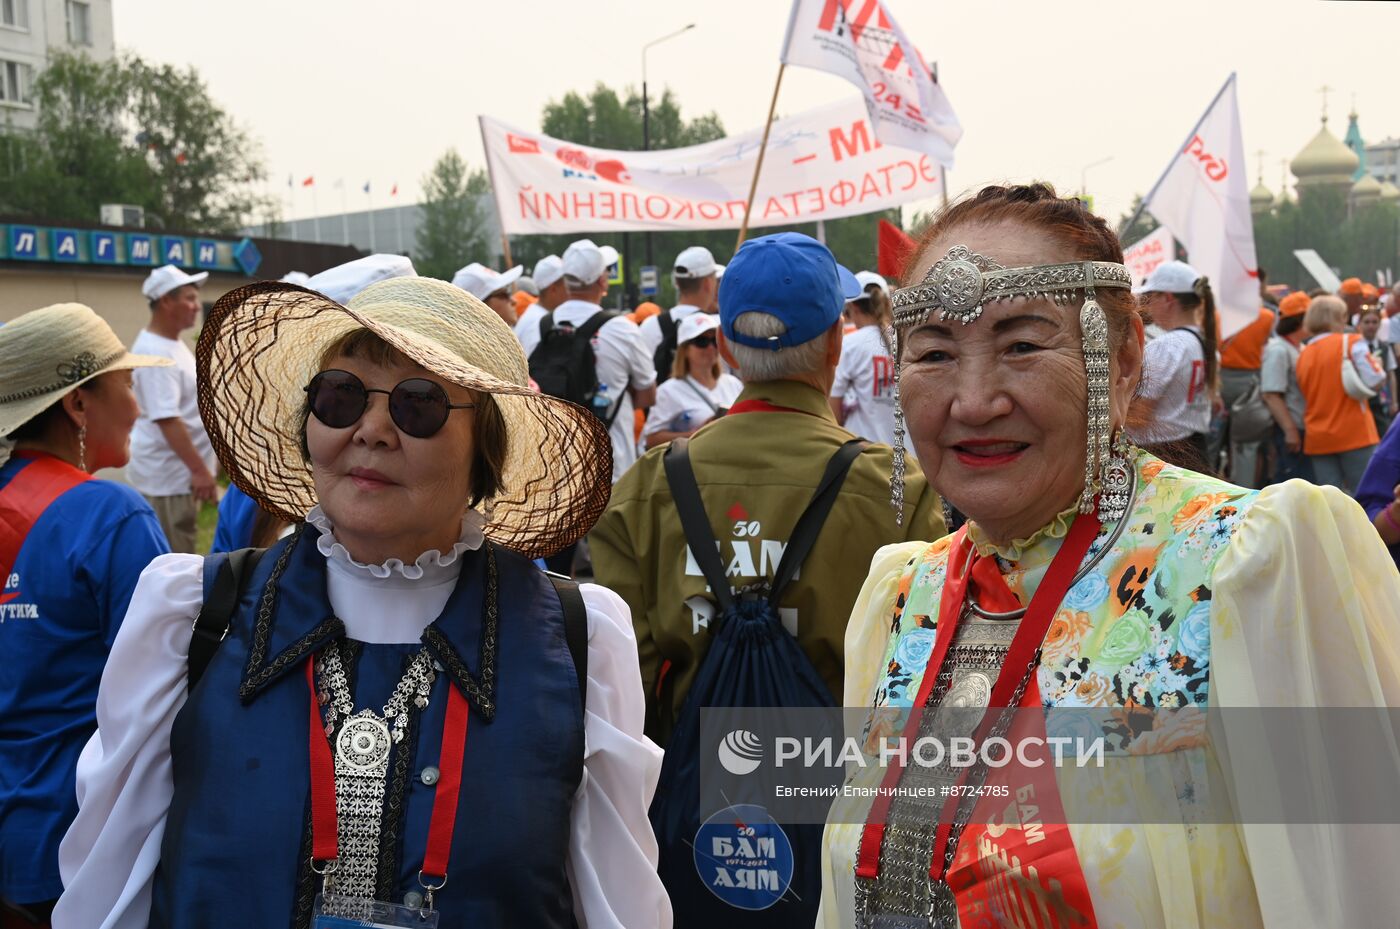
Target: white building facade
30, 31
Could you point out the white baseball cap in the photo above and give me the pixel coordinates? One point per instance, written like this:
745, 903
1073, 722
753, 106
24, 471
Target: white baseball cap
696, 324
548, 269
695, 262
300, 278
866, 278
719, 271
163, 280
1170, 277
585, 261
481, 282
527, 283
343, 282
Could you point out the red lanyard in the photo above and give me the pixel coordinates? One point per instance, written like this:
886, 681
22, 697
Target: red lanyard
763, 406
1029, 635
325, 837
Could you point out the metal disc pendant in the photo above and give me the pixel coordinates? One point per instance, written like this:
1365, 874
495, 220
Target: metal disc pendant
364, 744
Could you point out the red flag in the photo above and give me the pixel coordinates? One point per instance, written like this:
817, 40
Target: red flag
893, 250
309, 182
395, 191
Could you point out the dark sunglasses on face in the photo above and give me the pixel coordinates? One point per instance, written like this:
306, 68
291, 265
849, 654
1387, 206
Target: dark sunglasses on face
703, 341
418, 406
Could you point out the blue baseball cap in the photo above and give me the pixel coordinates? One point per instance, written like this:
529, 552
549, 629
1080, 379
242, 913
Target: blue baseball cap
788, 275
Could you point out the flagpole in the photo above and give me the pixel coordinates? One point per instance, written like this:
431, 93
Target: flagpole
315, 211
1142, 206
369, 217
344, 213
762, 148
398, 221
942, 170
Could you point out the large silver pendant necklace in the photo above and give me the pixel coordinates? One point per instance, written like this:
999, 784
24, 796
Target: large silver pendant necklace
362, 752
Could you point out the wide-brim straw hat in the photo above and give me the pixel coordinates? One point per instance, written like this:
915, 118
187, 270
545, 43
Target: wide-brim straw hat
262, 344
47, 353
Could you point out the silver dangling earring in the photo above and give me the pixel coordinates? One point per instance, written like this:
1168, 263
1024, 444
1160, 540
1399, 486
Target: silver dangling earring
1116, 479
897, 469
1094, 326
82, 447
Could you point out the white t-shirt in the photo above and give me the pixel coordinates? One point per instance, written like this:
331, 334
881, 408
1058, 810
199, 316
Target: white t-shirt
1174, 375
165, 393
865, 384
651, 326
686, 397
622, 362
530, 319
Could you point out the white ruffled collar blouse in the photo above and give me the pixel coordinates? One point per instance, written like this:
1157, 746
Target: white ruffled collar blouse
392, 602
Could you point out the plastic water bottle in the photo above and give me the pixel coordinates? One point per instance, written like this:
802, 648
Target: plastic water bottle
681, 423
601, 402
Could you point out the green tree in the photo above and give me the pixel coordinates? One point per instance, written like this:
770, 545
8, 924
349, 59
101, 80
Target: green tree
453, 224
125, 131
1144, 225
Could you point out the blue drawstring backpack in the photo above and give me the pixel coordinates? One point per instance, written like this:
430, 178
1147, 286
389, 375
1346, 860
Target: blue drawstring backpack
739, 868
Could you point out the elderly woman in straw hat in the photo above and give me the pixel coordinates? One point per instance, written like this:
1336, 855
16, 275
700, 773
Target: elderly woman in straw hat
1130, 598
71, 549
407, 721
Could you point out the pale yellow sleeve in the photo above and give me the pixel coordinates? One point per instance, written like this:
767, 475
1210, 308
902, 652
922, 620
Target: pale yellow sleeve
868, 632
1305, 612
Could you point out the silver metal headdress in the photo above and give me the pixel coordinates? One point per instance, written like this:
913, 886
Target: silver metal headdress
960, 284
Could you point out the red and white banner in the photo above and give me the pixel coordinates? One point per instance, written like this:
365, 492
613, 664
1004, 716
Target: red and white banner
1204, 200
859, 41
822, 164
1144, 255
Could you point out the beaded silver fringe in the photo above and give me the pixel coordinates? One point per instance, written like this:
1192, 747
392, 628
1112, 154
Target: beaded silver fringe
897, 470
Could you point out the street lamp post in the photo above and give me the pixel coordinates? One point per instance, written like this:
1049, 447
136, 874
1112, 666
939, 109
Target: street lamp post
646, 112
1084, 175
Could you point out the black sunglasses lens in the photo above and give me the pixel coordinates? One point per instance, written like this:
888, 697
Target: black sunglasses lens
338, 398
418, 406
704, 341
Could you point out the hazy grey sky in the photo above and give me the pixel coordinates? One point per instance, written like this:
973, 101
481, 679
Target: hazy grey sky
377, 91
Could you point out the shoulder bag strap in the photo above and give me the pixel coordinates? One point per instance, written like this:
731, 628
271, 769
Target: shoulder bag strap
809, 524
231, 572
575, 629
698, 533
704, 398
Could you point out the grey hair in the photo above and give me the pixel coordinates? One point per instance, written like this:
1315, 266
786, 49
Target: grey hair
764, 364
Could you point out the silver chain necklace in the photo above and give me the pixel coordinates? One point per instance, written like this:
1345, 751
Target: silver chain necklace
362, 753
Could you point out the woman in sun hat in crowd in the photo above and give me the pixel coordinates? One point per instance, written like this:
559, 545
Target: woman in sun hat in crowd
698, 390
405, 711
71, 549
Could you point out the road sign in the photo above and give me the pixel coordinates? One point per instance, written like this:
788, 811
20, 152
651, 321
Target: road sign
615, 273
649, 281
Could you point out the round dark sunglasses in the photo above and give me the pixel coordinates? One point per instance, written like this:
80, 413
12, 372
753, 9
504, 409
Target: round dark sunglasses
703, 341
418, 406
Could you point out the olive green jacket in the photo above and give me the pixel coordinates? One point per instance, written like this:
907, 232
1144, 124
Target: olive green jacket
756, 473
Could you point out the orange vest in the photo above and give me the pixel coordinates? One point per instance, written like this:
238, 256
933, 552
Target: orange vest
1333, 422
1245, 349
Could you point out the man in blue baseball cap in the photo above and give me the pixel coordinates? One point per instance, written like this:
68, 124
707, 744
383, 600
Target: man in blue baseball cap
756, 470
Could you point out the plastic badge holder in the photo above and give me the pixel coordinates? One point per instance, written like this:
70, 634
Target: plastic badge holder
357, 913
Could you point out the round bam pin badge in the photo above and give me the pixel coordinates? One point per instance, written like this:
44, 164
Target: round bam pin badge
744, 857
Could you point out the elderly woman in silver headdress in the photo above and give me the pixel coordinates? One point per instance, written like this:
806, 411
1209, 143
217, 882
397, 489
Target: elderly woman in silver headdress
1092, 575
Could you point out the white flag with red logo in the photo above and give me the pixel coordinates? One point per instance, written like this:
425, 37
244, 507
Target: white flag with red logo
859, 41
1203, 199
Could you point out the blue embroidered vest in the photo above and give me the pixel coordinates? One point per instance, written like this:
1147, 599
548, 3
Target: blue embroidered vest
237, 840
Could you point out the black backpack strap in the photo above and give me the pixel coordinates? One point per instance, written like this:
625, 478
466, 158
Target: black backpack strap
696, 525
232, 571
575, 629
809, 524
667, 322
546, 327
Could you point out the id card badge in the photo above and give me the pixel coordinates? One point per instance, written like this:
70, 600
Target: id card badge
358, 913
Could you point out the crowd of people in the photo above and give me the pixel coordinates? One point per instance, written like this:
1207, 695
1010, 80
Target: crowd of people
384, 697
